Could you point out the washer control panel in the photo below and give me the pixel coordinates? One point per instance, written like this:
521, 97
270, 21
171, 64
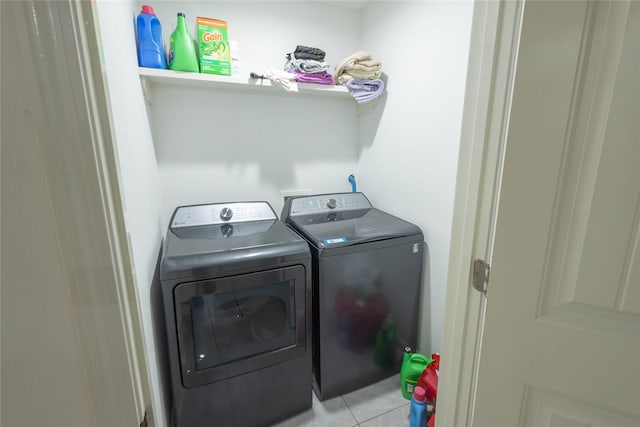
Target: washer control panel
221, 213
329, 203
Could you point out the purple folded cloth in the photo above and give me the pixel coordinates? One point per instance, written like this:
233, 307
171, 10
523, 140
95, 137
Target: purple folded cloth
322, 78
364, 90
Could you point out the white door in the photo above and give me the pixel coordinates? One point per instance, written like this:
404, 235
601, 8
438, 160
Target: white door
71, 349
561, 341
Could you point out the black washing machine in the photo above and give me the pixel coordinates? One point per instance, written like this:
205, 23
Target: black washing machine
367, 275
236, 287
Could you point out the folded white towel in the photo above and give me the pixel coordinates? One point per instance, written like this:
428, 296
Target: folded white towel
285, 80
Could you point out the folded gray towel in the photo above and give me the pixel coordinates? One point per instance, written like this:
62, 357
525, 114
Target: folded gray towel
308, 65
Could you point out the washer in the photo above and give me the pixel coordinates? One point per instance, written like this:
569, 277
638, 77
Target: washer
367, 274
236, 289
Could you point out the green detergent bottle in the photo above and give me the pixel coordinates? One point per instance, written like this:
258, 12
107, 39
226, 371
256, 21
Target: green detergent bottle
412, 366
182, 51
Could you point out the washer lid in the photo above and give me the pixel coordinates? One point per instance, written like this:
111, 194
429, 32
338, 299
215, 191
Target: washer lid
352, 220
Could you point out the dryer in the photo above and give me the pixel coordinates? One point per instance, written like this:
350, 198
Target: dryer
236, 288
367, 275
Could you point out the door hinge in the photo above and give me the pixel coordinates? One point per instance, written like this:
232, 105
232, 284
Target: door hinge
481, 270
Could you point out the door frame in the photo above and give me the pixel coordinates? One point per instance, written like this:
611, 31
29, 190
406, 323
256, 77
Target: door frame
490, 74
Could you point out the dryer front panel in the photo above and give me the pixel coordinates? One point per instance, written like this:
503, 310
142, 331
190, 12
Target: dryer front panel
237, 324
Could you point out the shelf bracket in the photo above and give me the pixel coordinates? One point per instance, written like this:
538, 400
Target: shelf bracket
146, 90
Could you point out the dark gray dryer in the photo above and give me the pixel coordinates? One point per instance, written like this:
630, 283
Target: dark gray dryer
236, 286
367, 274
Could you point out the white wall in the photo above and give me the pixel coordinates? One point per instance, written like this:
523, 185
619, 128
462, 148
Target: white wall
252, 148
139, 179
410, 151
214, 145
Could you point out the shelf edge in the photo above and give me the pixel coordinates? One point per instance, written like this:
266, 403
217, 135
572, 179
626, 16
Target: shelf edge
154, 76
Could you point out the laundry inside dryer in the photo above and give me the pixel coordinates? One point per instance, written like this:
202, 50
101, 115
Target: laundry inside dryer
231, 325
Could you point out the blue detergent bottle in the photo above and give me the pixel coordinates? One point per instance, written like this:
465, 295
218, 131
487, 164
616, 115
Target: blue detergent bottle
150, 46
418, 411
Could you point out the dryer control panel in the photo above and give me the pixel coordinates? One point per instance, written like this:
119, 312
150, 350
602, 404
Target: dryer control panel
221, 213
329, 203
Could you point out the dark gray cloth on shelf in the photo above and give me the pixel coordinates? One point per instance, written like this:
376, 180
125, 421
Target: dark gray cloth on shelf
306, 52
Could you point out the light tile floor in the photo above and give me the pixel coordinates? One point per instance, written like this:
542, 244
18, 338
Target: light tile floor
380, 404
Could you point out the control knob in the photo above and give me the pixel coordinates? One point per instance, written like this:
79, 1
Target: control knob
226, 214
332, 203
226, 230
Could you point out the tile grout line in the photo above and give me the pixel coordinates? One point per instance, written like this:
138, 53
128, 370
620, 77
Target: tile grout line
379, 415
372, 418
350, 411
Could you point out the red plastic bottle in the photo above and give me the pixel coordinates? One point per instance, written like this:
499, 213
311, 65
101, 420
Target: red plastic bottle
429, 379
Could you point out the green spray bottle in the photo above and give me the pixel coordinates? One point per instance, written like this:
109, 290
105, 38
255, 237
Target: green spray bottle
182, 51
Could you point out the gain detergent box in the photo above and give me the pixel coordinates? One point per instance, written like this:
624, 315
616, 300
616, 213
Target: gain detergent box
213, 42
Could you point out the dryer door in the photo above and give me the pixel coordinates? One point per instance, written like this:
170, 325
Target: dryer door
237, 324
